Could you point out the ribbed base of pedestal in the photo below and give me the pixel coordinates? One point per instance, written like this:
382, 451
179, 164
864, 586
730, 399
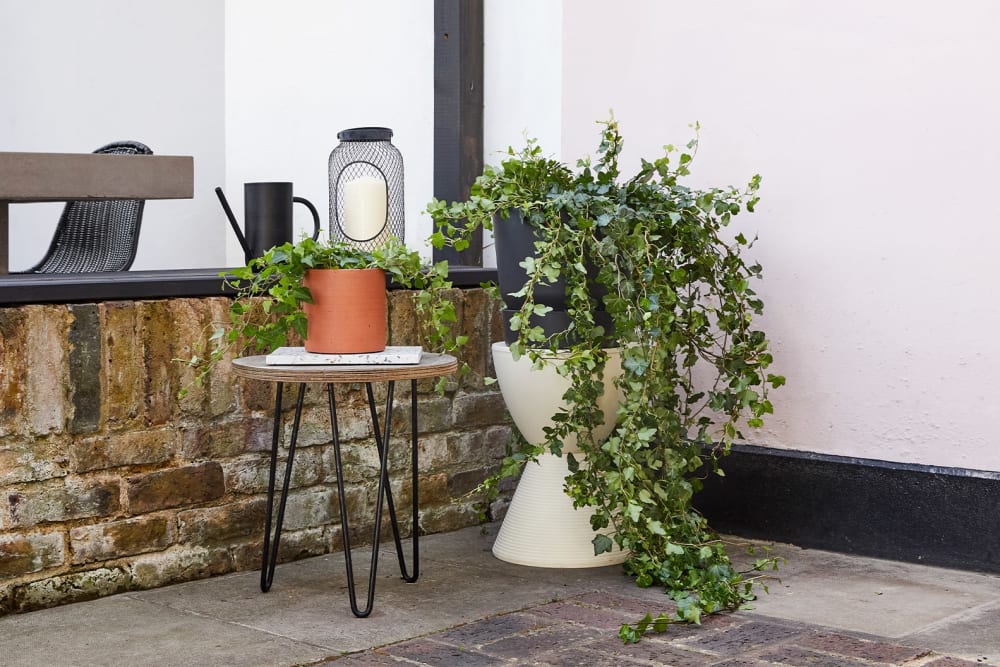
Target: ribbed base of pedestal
543, 529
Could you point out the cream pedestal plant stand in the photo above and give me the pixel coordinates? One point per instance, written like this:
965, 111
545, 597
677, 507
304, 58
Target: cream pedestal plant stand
542, 528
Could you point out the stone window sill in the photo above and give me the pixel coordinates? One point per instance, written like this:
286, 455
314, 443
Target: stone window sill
131, 285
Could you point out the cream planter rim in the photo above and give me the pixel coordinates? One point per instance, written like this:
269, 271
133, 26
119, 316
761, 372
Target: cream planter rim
534, 395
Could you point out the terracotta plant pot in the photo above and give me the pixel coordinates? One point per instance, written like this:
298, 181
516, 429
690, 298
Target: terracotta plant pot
348, 313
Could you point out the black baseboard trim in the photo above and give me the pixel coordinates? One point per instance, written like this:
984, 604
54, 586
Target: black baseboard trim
948, 517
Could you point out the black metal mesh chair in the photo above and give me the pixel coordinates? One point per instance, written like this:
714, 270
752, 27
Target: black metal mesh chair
94, 236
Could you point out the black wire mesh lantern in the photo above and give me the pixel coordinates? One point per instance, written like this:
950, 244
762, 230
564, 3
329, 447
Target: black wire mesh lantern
366, 188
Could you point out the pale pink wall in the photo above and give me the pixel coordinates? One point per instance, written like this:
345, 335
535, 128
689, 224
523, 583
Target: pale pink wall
876, 127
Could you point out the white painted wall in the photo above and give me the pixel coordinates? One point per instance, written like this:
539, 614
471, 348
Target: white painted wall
523, 61
296, 77
875, 128
873, 124
77, 75
522, 94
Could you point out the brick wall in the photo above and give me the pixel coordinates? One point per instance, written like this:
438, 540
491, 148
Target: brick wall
110, 482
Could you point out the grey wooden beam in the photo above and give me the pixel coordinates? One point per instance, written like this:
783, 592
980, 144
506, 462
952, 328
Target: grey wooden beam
35, 177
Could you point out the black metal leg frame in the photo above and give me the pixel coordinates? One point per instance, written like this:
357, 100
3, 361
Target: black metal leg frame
382, 440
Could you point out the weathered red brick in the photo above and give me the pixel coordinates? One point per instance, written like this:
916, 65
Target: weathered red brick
796, 655
948, 661
461, 483
48, 375
123, 368
594, 617
34, 461
447, 517
402, 319
13, 369
485, 445
485, 408
227, 439
27, 553
156, 327
227, 525
108, 541
428, 651
638, 608
175, 487
739, 639
535, 644
62, 500
122, 449
85, 364
308, 509
491, 629
180, 563
840, 644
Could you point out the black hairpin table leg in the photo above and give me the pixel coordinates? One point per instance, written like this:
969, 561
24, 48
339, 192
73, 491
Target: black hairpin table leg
383, 492
380, 443
270, 557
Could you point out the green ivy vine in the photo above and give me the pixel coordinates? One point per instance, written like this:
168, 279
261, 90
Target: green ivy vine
680, 292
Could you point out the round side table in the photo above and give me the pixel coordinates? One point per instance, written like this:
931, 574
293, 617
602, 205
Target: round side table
430, 366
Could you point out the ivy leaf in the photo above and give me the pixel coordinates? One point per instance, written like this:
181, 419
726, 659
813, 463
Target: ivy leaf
661, 623
602, 544
689, 609
655, 527
645, 434
636, 365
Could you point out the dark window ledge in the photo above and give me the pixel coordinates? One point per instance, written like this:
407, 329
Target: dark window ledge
131, 285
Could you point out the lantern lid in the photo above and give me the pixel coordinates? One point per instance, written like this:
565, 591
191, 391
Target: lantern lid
365, 134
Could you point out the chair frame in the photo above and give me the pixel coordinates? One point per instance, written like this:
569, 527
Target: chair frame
97, 236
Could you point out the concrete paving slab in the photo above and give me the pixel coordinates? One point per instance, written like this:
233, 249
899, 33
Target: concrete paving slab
121, 630
308, 601
951, 611
974, 634
842, 607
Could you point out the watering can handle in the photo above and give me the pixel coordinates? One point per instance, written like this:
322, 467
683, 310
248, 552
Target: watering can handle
315, 214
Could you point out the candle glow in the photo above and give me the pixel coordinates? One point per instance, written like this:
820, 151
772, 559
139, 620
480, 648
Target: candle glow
365, 202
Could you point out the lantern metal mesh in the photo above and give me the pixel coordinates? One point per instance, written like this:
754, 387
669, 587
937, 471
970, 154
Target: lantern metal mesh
364, 155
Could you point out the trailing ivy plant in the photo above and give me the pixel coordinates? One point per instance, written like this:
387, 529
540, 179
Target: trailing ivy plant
267, 313
680, 293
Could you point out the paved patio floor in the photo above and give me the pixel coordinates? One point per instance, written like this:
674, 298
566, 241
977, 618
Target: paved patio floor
470, 609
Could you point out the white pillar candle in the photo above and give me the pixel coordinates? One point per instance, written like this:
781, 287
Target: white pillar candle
364, 207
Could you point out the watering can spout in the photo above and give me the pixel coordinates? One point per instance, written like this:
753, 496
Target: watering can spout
232, 220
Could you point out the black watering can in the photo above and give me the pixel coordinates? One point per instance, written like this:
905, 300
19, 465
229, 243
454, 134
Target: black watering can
268, 211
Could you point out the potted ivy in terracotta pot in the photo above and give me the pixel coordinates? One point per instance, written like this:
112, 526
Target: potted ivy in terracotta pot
678, 293
346, 310
331, 295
